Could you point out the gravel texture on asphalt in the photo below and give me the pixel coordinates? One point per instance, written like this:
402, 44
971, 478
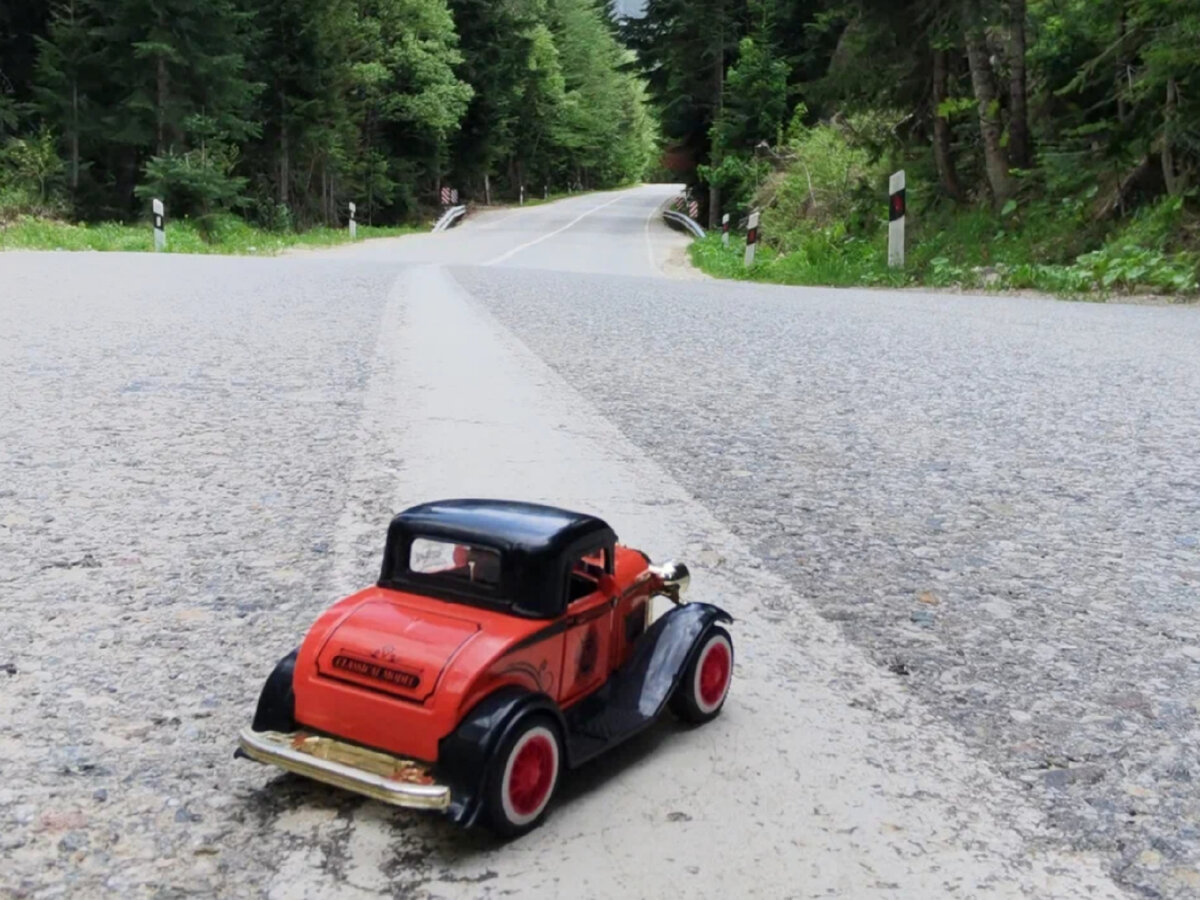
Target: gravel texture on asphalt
999, 499
174, 441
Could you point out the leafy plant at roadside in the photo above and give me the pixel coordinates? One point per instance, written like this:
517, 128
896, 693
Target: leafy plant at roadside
30, 172
220, 233
197, 183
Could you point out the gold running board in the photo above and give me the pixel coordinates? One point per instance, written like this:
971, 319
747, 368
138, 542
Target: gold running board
381, 776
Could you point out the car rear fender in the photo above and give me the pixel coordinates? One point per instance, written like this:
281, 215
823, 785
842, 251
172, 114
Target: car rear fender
465, 755
276, 709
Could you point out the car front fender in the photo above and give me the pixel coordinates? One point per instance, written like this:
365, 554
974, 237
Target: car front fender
662, 654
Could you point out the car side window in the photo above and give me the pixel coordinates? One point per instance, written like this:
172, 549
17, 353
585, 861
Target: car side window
585, 574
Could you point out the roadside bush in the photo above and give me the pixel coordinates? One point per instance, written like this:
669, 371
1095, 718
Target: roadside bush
197, 183
30, 175
828, 180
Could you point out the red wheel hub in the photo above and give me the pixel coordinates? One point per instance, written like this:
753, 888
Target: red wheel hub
532, 775
714, 673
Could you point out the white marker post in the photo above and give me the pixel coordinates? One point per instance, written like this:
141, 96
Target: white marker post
522, 195
751, 238
353, 224
545, 192
160, 230
725, 230
897, 210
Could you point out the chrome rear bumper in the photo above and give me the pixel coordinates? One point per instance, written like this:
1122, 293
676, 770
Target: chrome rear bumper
381, 776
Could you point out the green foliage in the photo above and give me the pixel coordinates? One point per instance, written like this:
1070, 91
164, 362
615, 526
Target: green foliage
1039, 247
828, 177
684, 48
826, 258
603, 130
1050, 144
756, 99
30, 173
223, 233
289, 109
196, 183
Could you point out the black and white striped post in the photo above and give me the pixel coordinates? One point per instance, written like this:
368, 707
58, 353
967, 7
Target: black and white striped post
897, 212
353, 223
751, 238
160, 225
445, 192
725, 229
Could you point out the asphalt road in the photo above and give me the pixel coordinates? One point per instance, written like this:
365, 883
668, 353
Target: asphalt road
961, 537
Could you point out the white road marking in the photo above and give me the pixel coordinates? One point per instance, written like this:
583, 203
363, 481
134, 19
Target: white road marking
545, 237
649, 242
821, 777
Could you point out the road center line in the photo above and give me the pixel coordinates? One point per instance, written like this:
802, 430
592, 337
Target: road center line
545, 237
649, 241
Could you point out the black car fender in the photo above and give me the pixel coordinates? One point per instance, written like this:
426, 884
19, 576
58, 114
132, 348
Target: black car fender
661, 656
276, 709
465, 755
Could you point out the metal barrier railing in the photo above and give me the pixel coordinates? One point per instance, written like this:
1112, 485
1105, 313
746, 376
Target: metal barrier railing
450, 218
680, 220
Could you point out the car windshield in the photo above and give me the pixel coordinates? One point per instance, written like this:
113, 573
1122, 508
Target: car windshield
454, 564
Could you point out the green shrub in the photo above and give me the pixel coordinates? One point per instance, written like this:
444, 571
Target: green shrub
30, 175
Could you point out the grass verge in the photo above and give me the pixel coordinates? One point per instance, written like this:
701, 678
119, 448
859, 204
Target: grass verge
1040, 249
225, 234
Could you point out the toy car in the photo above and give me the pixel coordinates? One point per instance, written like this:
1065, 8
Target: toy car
504, 643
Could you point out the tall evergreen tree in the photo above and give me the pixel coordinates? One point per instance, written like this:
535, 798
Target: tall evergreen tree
67, 69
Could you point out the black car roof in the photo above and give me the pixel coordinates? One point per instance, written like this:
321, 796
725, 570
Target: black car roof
534, 541
504, 524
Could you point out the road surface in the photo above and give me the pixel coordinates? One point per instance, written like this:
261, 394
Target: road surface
961, 537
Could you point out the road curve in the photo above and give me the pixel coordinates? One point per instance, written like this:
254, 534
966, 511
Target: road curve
198, 454
615, 233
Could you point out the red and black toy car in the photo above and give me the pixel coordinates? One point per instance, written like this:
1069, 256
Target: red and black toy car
503, 643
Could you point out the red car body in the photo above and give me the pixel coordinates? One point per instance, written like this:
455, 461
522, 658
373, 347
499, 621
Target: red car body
502, 643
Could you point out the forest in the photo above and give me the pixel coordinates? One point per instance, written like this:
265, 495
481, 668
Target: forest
283, 111
1051, 144
1048, 143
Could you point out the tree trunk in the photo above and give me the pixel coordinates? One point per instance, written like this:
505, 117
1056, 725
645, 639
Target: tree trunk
1122, 66
285, 162
1020, 142
161, 93
714, 192
74, 137
160, 136
1175, 180
943, 156
990, 130
324, 193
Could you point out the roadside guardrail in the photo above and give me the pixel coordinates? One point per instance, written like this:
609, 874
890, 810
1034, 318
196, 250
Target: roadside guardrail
450, 218
680, 220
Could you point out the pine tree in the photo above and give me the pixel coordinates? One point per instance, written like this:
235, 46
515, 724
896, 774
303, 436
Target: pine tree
300, 56
68, 67
177, 93
406, 95
497, 41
